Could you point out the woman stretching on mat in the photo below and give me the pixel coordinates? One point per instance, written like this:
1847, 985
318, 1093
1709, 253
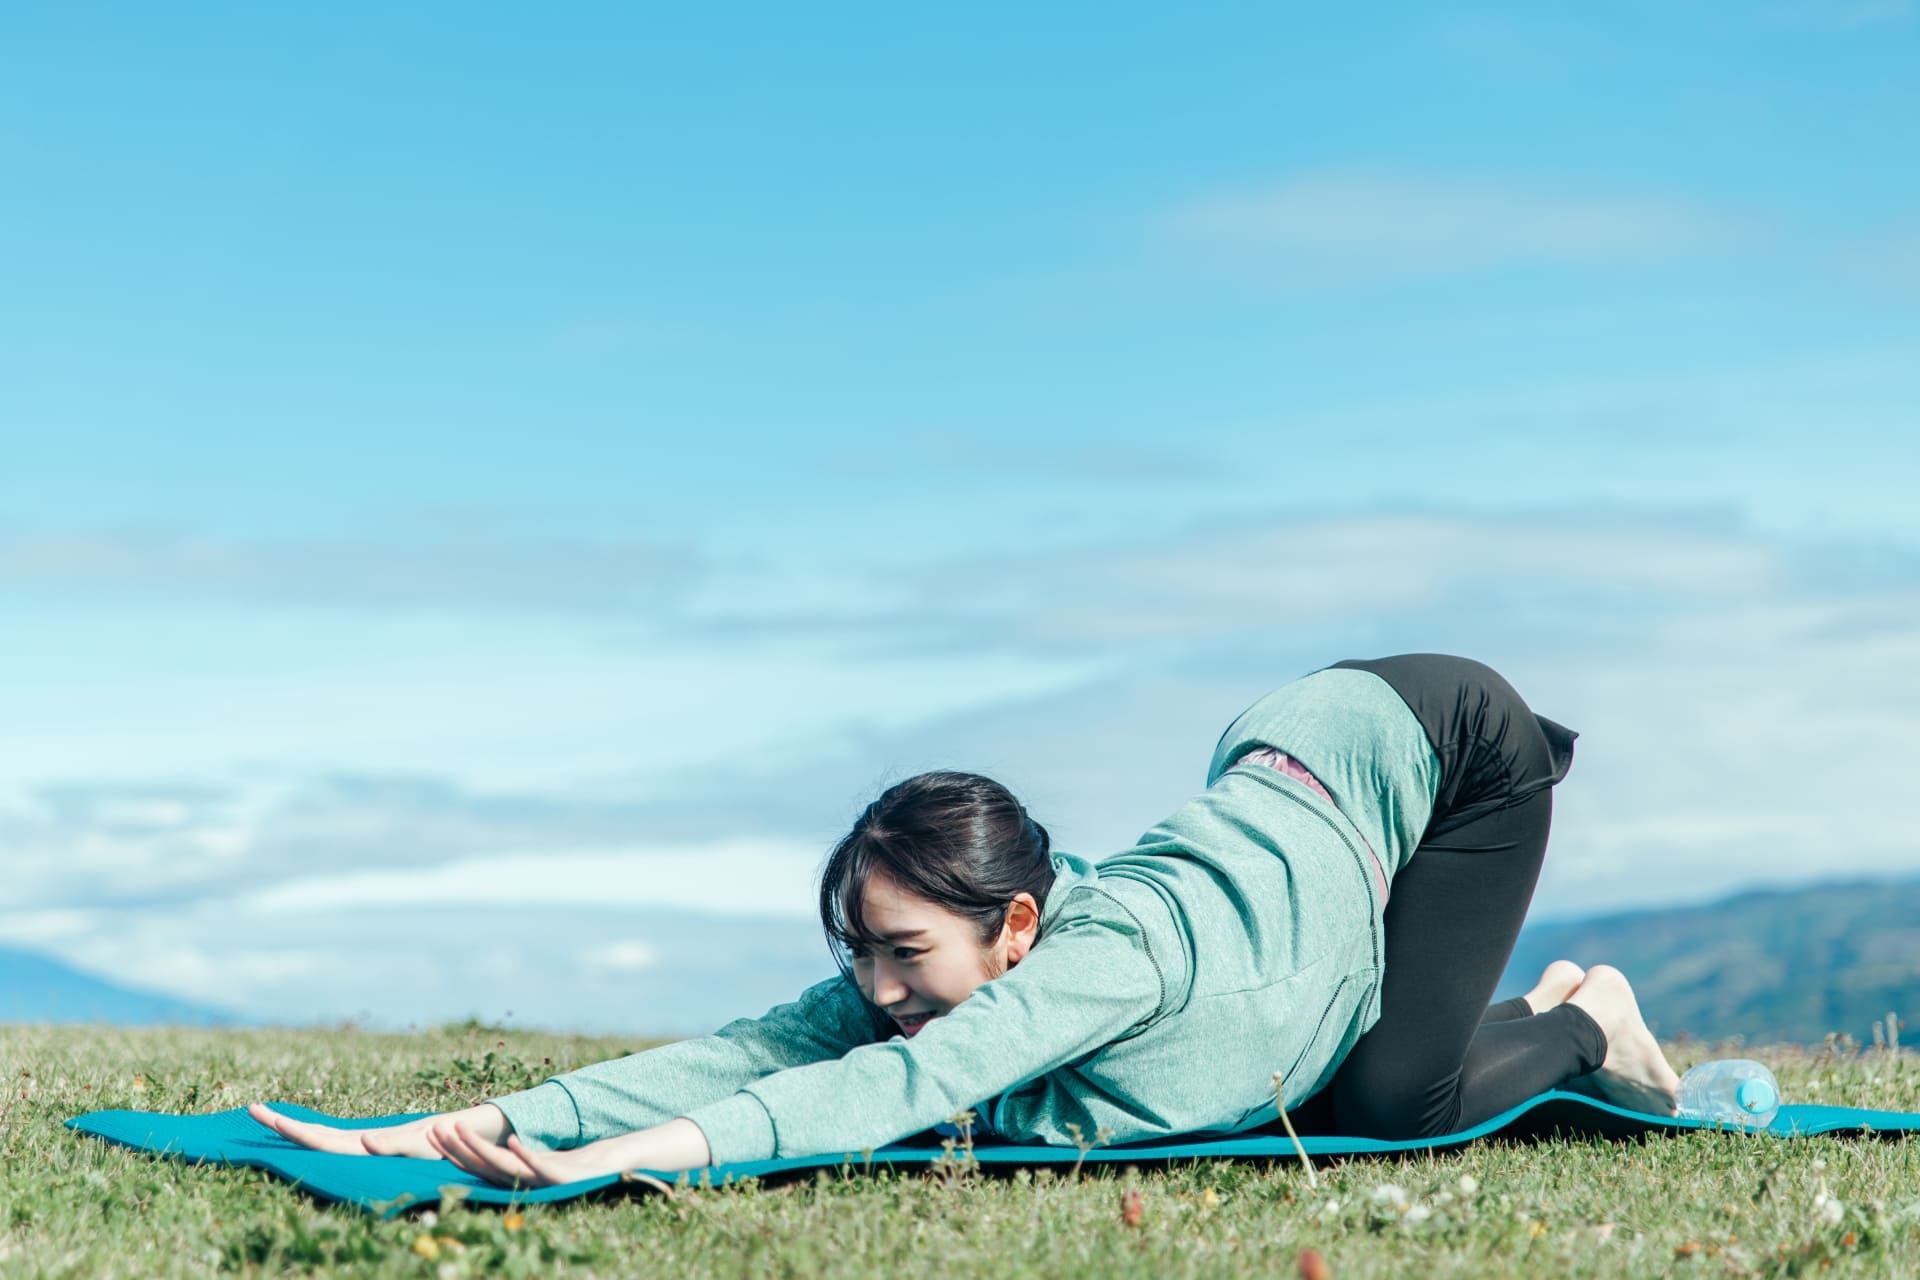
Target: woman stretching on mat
1328, 918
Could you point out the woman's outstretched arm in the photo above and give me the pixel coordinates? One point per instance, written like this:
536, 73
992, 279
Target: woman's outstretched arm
620, 1095
644, 1089
1089, 982
1085, 986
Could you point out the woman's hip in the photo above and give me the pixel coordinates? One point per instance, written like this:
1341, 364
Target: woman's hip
1493, 749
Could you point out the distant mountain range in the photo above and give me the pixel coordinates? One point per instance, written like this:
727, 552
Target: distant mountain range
1770, 965
37, 988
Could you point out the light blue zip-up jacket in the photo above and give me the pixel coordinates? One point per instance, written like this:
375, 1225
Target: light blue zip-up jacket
1239, 937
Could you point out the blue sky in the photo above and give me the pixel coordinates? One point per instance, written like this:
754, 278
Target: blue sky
566, 462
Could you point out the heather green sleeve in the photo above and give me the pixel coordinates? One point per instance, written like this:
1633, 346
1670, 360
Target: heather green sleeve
655, 1085
1089, 981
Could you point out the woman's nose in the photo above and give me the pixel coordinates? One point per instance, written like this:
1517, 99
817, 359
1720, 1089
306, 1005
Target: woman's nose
887, 987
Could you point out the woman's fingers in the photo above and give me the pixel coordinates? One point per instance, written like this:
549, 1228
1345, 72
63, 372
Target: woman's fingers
403, 1140
453, 1152
484, 1159
320, 1137
450, 1148
457, 1141
542, 1163
510, 1168
393, 1140
266, 1116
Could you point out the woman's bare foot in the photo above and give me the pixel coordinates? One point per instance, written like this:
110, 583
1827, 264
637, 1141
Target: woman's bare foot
1557, 982
1636, 1075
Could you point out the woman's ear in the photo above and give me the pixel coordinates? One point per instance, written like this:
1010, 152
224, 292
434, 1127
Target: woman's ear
1022, 928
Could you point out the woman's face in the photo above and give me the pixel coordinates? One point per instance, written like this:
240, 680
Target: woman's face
931, 959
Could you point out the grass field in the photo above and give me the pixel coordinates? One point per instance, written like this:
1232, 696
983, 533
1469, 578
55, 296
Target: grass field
1700, 1205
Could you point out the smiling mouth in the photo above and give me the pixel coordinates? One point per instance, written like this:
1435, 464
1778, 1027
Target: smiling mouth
912, 1022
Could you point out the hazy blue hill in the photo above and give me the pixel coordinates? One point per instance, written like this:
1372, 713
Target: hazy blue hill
37, 988
1768, 965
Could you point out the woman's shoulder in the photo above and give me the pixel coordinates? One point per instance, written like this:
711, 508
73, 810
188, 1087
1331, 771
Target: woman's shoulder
1080, 894
1103, 904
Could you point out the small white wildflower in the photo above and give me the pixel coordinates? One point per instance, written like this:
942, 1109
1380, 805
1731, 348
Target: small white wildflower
1828, 1210
1330, 1207
1468, 1184
1818, 1165
1388, 1193
1419, 1213
429, 1219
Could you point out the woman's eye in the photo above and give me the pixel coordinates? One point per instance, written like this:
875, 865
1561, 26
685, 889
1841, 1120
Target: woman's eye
864, 955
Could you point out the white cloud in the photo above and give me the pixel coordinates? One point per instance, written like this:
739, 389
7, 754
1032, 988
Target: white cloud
1241, 580
1746, 707
729, 877
1231, 582
1363, 226
1733, 747
586, 968
1886, 263
625, 956
124, 692
460, 575
40, 926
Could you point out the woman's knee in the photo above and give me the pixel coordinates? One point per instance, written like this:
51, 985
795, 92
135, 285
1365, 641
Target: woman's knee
1392, 1108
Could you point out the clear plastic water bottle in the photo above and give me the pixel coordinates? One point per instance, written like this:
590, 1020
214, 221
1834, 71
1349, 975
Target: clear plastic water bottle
1737, 1092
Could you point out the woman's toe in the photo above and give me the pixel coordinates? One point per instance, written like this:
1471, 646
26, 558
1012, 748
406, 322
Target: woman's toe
1563, 973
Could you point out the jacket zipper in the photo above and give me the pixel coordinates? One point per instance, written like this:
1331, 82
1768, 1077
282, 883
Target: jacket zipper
1287, 1078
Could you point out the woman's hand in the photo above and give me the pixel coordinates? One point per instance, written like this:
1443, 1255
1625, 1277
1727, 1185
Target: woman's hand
516, 1164
669, 1147
472, 1141
486, 1121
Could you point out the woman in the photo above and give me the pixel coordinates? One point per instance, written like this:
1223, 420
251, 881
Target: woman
1331, 913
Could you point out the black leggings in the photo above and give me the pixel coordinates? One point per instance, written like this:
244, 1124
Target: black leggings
1440, 1059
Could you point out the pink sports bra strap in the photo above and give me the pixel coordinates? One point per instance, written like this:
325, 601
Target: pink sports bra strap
1294, 769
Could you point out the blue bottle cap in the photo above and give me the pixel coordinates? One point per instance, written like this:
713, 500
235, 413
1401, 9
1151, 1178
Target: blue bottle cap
1755, 1096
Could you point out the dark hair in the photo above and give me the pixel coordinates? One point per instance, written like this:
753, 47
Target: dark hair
959, 840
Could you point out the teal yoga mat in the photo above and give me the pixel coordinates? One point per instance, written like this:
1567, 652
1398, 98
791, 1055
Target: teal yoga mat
386, 1185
